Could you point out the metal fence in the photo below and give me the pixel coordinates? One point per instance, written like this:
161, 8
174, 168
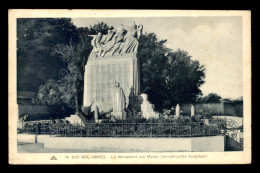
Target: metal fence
122, 129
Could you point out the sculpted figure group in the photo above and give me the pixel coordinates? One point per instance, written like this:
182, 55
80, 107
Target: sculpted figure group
121, 40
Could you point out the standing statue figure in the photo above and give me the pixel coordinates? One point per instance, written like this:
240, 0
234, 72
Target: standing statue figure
108, 42
117, 40
131, 39
96, 42
119, 102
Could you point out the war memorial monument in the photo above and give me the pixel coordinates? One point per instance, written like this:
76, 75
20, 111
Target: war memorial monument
112, 79
116, 115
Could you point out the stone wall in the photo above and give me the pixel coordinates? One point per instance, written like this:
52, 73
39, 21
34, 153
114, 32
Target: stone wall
32, 138
31, 109
231, 109
195, 144
214, 108
27, 138
208, 144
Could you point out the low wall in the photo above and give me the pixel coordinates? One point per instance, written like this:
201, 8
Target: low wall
26, 138
232, 109
41, 138
31, 138
214, 108
33, 109
120, 144
206, 144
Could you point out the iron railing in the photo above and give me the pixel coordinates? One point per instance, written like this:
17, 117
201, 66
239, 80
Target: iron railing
191, 129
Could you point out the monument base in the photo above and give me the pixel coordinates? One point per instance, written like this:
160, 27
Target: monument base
102, 73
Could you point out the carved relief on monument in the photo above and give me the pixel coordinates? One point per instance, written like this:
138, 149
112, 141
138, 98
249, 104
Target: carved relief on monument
116, 61
123, 39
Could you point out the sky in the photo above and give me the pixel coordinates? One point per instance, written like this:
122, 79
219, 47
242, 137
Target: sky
216, 42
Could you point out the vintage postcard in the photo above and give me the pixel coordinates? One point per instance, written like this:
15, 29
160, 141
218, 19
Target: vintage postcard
129, 87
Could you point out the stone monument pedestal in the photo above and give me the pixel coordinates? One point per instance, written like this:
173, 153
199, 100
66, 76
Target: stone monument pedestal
101, 74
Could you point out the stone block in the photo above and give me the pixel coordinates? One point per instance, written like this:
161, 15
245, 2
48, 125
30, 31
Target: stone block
73, 119
27, 138
123, 144
100, 75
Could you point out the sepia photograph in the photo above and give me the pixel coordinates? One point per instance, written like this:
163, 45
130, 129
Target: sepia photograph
129, 87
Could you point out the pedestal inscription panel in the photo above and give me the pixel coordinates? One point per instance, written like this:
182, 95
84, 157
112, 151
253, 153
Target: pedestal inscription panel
101, 74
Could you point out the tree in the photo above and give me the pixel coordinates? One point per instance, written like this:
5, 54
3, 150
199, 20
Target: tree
211, 98
184, 77
68, 89
36, 57
168, 77
151, 55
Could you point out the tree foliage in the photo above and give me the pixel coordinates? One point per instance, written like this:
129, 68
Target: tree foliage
168, 77
68, 89
36, 41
